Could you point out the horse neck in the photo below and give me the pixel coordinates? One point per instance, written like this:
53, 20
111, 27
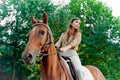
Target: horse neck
50, 63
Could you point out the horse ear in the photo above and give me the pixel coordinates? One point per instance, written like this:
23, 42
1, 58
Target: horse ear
45, 18
33, 20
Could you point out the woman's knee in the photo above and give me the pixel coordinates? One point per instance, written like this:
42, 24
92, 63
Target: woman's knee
78, 70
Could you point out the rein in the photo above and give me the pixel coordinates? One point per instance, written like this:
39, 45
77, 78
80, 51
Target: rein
45, 55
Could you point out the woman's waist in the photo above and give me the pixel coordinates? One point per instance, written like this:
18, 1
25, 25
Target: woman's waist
73, 48
69, 52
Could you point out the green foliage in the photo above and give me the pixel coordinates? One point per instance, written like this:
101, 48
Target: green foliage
100, 44
99, 29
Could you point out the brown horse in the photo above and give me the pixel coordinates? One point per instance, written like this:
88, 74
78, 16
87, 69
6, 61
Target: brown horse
41, 43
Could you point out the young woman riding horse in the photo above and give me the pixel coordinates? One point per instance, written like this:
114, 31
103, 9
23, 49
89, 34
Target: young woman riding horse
68, 44
41, 43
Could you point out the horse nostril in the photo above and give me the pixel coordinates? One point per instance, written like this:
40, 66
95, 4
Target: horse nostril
23, 58
30, 56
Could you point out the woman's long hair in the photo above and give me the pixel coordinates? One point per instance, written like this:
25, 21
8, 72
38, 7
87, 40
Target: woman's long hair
71, 30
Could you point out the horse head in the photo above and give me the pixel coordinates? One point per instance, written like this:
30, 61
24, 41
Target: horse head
39, 37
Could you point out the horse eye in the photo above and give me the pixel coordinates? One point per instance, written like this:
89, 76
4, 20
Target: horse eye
42, 32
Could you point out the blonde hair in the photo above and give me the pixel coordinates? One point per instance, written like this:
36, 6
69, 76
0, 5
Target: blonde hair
70, 28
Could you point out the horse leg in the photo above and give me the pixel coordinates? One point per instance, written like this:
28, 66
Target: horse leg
97, 74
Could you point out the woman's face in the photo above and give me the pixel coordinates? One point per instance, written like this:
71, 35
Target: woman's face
76, 24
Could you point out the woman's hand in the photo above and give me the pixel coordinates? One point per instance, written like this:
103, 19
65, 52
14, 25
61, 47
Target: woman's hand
64, 49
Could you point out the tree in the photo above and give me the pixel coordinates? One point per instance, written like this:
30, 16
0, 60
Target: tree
14, 35
100, 44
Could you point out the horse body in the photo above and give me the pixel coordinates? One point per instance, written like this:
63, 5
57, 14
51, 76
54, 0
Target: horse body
41, 43
95, 72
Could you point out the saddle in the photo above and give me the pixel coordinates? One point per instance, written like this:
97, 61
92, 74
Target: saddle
72, 68
70, 64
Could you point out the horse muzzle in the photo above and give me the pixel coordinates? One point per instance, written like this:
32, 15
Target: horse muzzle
29, 58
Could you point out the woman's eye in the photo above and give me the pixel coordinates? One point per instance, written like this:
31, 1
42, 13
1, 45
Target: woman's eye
76, 21
42, 32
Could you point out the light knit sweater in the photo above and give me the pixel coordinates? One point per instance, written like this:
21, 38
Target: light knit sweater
74, 42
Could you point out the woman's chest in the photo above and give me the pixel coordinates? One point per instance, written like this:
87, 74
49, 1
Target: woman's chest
67, 41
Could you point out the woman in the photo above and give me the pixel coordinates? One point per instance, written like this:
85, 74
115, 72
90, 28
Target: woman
68, 44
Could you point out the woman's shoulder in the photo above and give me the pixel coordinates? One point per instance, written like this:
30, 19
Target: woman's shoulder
63, 33
78, 33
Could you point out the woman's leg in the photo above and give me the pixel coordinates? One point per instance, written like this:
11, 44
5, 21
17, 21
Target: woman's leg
77, 64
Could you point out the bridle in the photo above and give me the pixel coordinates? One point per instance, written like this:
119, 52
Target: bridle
48, 41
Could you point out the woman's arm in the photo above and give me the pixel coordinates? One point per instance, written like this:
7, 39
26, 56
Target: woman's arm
76, 41
73, 43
